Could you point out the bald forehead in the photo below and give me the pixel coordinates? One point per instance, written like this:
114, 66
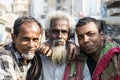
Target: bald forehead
30, 25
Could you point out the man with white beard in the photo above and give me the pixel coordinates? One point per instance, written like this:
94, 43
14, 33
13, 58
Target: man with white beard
19, 60
56, 66
59, 52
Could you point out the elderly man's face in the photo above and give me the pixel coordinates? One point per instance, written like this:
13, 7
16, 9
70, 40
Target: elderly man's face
27, 40
59, 30
58, 36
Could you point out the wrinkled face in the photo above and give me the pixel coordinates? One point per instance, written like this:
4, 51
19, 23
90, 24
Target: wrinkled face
28, 39
58, 36
59, 31
90, 40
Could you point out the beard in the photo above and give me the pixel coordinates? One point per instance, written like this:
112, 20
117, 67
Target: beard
28, 56
59, 52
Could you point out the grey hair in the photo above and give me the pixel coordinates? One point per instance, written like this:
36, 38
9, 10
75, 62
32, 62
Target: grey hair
59, 15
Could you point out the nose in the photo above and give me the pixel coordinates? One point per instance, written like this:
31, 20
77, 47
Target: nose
31, 43
86, 38
60, 34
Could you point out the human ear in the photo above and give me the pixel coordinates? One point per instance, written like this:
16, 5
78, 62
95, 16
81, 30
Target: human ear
13, 38
102, 35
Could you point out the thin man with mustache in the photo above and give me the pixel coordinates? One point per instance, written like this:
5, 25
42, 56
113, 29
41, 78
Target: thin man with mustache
19, 59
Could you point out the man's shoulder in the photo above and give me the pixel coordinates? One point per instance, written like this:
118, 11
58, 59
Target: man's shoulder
4, 51
5, 55
111, 45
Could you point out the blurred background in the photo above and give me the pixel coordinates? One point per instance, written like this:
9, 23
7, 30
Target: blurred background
107, 10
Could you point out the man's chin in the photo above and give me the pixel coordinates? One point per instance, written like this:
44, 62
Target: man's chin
28, 56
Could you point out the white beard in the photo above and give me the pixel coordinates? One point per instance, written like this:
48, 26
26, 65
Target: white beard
28, 56
59, 54
27, 53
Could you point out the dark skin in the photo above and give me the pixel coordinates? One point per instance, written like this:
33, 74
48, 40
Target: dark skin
90, 40
28, 37
59, 30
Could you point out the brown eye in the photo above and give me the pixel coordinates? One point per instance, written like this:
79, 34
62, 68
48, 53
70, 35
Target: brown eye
25, 39
64, 32
80, 37
54, 31
35, 39
91, 34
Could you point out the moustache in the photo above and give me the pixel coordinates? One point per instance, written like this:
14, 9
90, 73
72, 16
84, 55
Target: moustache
58, 42
28, 49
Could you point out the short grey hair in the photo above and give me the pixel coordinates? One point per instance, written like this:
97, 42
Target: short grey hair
59, 15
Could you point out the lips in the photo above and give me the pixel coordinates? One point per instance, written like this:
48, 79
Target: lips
29, 51
88, 47
59, 43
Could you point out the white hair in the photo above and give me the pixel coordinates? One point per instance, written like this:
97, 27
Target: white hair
59, 15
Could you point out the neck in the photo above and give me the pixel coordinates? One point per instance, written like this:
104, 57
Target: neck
95, 56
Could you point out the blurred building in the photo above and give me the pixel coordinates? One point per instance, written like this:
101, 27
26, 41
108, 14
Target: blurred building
82, 8
113, 7
4, 30
6, 22
21, 7
112, 12
112, 19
